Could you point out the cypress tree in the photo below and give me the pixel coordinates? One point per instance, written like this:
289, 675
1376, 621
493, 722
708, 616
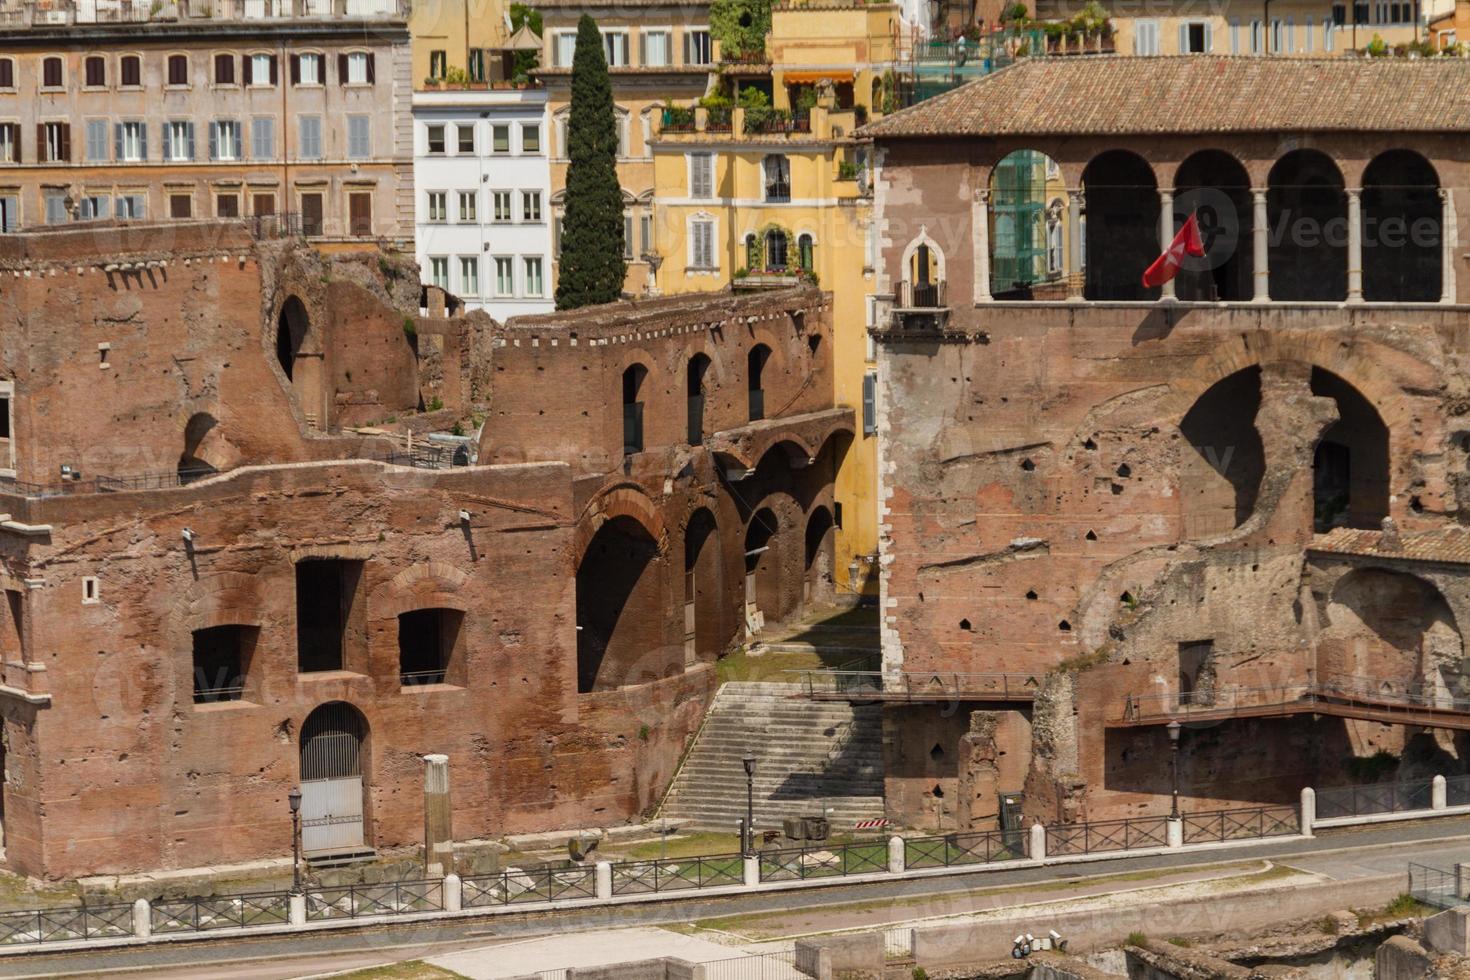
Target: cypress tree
592, 268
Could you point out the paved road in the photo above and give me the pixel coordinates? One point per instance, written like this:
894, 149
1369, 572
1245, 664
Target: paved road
1342, 854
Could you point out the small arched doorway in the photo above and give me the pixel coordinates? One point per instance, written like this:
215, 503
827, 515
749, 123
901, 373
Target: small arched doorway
817, 583
755, 367
1402, 213
762, 569
333, 752
300, 356
703, 587
621, 614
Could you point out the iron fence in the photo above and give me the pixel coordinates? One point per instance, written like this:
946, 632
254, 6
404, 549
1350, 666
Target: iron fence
222, 912
981, 847
780, 965
1457, 790
385, 898
797, 863
1246, 823
1357, 801
60, 925
1434, 886
673, 874
1107, 835
152, 481
515, 887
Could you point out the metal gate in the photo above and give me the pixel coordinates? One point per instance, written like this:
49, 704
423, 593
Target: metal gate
331, 779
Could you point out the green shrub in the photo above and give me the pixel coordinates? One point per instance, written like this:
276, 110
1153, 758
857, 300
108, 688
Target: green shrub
1138, 939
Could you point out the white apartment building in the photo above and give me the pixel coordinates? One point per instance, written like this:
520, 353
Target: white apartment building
483, 211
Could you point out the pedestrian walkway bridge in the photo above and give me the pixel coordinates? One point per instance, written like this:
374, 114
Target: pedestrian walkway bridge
867, 686
1337, 695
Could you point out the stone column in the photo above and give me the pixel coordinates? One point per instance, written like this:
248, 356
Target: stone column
1174, 832
896, 855
438, 829
1166, 235
1260, 246
980, 219
1449, 236
1076, 278
142, 918
1355, 245
603, 871
751, 871
1038, 842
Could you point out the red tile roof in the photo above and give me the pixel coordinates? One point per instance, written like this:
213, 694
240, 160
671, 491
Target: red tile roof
1115, 95
1448, 545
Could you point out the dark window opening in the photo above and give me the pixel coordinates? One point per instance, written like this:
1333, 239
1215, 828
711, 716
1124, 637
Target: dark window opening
1402, 214
633, 378
221, 658
1195, 671
427, 640
5, 418
1350, 486
291, 328
1214, 187
327, 612
1220, 483
697, 370
620, 617
131, 70
96, 71
51, 74
1122, 232
1306, 211
755, 366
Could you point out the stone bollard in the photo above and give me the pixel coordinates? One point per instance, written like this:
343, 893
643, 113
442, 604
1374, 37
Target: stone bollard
1309, 810
604, 880
1038, 842
298, 909
453, 893
895, 855
1462, 880
142, 919
1438, 794
1174, 832
438, 825
752, 872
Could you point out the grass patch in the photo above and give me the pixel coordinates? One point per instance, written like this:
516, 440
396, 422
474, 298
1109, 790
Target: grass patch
741, 666
1181, 942
1137, 939
682, 846
18, 893
1327, 925
408, 970
1403, 906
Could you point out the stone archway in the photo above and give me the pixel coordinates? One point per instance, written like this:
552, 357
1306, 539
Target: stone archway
300, 354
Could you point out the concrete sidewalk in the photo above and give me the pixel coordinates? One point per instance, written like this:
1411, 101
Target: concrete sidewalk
600, 948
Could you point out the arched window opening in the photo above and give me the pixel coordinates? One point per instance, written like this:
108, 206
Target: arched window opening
1020, 185
922, 283
1350, 465
633, 379
196, 430
806, 252
1220, 483
698, 368
776, 259
1122, 226
1306, 213
620, 613
291, 328
430, 646
762, 569
1214, 187
752, 252
1402, 215
817, 585
755, 366
333, 761
705, 632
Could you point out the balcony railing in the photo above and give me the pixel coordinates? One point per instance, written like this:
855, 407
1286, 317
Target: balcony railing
921, 295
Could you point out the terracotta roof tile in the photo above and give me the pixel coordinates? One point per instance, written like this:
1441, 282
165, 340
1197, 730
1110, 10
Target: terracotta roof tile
1448, 545
1113, 95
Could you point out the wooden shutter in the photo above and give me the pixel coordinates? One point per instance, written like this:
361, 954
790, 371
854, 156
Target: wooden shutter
64, 142
41, 155
296, 69
274, 71
189, 134
341, 69
360, 213
371, 70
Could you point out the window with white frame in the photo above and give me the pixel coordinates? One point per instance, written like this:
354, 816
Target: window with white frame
359, 137
500, 138
132, 141
702, 243
533, 282
464, 134
560, 122
656, 48
565, 49
438, 206
624, 134
469, 275
10, 142
505, 284
697, 48
262, 69
615, 48
500, 207
530, 206
357, 68
530, 137
467, 208
645, 233
701, 176
308, 69
309, 146
439, 271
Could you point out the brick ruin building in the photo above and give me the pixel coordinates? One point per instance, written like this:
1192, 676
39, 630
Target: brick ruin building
219, 583
1237, 501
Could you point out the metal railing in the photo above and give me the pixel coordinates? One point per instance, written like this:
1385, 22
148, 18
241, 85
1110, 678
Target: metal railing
780, 965
60, 925
1107, 835
1434, 886
515, 887
980, 847
221, 912
416, 678
1322, 690
1247, 823
921, 295
218, 692
673, 874
800, 863
1357, 801
916, 685
385, 898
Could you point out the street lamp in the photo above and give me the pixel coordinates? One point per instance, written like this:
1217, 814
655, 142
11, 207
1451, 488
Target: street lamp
1174, 729
294, 798
747, 846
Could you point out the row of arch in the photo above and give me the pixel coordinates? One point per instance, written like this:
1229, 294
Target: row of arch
1307, 214
697, 370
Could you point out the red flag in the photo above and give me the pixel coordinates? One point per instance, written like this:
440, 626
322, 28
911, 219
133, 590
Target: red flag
1166, 266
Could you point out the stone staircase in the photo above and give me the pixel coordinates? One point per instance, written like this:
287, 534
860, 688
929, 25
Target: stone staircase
808, 755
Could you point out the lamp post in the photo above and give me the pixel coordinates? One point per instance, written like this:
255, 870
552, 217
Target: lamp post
747, 846
294, 798
1174, 729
